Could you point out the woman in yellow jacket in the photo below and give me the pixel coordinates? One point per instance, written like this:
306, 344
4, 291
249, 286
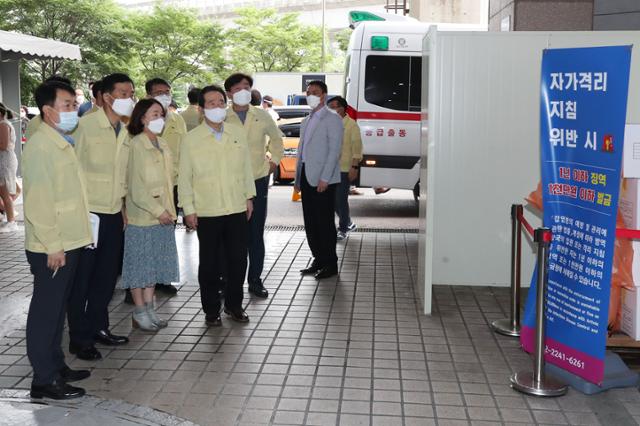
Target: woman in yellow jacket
150, 254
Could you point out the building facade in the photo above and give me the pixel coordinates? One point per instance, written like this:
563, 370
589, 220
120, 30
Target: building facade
563, 15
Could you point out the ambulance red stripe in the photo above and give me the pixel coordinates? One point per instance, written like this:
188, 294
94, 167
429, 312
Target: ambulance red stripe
399, 116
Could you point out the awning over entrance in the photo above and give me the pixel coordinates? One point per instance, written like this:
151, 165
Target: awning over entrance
22, 46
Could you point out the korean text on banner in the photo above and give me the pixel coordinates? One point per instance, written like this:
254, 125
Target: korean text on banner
582, 119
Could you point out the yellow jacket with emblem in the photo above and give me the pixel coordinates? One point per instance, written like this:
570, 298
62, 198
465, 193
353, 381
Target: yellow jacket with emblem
150, 181
215, 177
192, 117
263, 136
174, 131
103, 157
32, 127
56, 213
351, 144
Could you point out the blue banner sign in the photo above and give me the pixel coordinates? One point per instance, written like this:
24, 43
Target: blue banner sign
582, 119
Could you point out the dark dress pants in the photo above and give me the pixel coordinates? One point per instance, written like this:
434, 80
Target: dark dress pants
256, 230
216, 235
342, 202
318, 209
45, 321
95, 281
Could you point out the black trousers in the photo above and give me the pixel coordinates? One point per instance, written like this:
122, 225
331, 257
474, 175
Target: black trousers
256, 231
217, 235
95, 281
45, 320
175, 199
318, 209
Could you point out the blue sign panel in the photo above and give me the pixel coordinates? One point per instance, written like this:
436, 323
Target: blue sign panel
582, 120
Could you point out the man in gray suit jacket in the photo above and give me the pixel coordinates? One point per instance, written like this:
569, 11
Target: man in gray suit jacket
317, 175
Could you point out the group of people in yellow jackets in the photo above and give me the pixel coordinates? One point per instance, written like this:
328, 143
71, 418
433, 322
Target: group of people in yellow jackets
114, 178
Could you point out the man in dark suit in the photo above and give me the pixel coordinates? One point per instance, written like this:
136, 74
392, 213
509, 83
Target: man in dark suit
317, 175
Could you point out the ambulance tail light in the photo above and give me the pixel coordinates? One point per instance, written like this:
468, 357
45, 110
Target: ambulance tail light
370, 163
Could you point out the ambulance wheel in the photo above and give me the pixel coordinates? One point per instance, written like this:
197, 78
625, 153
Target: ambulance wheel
416, 192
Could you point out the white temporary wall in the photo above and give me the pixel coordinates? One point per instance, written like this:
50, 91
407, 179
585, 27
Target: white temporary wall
480, 147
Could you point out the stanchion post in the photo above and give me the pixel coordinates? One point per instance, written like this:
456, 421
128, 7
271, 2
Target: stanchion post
511, 326
535, 383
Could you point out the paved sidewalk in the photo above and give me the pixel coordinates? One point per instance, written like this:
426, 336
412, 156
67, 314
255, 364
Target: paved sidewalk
353, 351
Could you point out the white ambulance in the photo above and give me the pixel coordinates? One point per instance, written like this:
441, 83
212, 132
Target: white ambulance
383, 86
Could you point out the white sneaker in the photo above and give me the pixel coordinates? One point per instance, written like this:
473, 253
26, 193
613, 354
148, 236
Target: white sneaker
9, 227
352, 227
341, 236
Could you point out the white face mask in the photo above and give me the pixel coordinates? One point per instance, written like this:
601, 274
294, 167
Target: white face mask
335, 111
165, 101
313, 101
242, 97
156, 126
123, 107
68, 121
216, 115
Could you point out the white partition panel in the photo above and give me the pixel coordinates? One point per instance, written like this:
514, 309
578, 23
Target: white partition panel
480, 150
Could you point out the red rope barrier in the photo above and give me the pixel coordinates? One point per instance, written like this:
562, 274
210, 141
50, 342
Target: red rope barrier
526, 224
628, 233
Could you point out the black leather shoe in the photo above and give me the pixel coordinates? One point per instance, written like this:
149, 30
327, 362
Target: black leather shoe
88, 353
128, 298
327, 272
106, 338
258, 290
56, 390
237, 315
213, 320
167, 289
311, 270
69, 375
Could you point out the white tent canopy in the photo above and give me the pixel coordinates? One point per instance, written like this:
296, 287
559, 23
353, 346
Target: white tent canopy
13, 48
16, 45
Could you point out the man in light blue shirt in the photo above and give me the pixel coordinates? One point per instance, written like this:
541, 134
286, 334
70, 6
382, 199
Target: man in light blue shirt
317, 176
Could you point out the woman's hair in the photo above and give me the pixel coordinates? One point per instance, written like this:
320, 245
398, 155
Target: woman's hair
6, 112
136, 126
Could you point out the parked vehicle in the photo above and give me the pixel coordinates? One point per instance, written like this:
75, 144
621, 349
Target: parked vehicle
292, 111
286, 170
383, 86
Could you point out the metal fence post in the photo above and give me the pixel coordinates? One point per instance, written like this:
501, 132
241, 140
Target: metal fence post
511, 326
535, 383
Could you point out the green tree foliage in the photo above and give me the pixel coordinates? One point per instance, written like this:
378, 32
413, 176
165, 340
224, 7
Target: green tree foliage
342, 39
264, 40
94, 25
173, 44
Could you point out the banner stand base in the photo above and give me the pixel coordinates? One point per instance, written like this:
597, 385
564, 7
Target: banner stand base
616, 375
505, 327
524, 382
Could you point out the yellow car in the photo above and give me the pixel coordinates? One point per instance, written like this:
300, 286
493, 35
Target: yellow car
286, 170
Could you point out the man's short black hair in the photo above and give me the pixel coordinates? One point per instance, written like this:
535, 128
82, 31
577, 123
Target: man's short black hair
96, 89
193, 95
212, 88
236, 78
321, 84
148, 86
110, 81
340, 100
256, 97
47, 93
60, 79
